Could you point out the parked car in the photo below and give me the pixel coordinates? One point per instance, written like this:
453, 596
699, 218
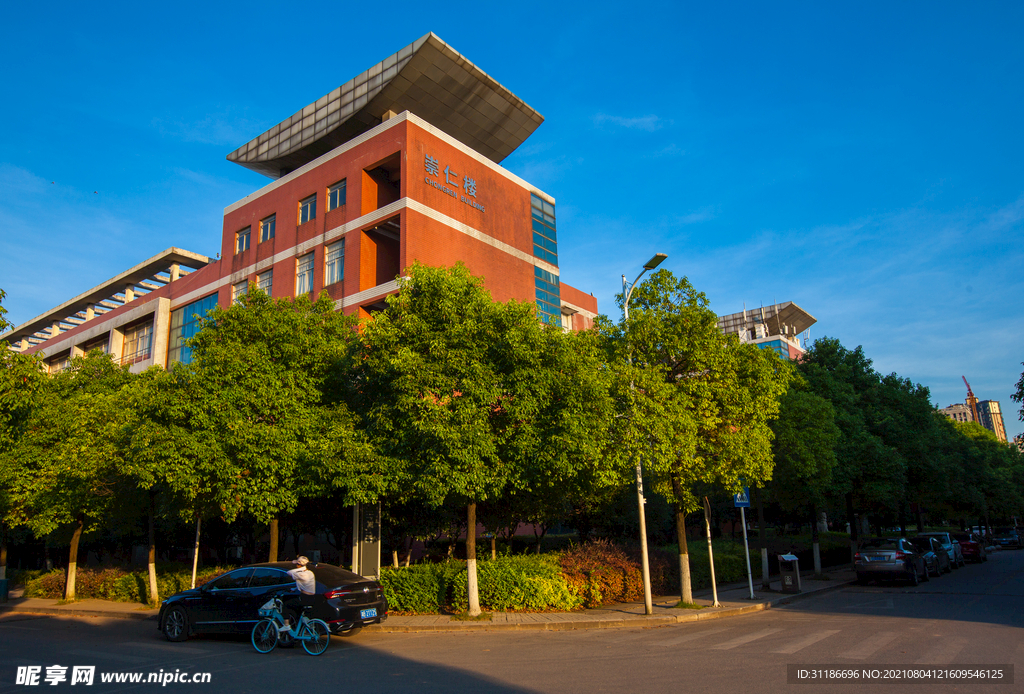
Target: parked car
230, 602
972, 547
935, 558
1007, 537
952, 547
890, 558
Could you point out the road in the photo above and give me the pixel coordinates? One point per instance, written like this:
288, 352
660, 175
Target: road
973, 616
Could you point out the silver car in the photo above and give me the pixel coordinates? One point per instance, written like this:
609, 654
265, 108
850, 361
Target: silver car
952, 547
891, 558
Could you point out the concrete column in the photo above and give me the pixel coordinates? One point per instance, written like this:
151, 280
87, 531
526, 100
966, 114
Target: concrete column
55, 329
77, 351
161, 331
129, 293
175, 272
90, 312
115, 346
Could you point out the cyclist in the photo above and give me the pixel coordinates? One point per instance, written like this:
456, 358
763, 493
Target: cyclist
305, 581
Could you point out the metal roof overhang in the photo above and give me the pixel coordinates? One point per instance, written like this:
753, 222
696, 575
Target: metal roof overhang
427, 78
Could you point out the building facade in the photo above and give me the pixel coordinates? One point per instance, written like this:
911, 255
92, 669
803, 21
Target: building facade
400, 164
958, 412
991, 416
775, 327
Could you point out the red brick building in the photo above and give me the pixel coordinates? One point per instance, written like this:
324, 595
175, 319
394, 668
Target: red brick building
400, 164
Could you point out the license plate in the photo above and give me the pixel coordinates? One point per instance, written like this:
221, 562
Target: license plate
877, 558
368, 614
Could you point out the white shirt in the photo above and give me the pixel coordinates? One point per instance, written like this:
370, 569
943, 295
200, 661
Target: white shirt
305, 581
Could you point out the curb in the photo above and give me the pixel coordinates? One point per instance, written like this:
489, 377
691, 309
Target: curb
604, 623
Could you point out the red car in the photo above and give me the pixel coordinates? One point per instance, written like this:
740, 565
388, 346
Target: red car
973, 548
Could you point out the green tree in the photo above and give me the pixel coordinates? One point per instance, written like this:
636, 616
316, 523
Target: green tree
470, 400
698, 404
1018, 395
64, 468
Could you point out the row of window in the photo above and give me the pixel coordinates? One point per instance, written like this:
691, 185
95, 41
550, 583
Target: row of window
548, 296
545, 243
307, 212
334, 272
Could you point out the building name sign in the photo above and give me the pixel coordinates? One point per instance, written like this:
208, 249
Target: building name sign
468, 194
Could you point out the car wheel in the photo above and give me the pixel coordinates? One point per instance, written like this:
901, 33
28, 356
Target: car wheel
927, 576
963, 562
938, 570
176, 624
914, 578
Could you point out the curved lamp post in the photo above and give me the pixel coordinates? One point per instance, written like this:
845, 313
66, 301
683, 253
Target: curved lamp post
645, 565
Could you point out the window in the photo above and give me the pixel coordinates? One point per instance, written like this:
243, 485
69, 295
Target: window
138, 343
548, 295
265, 282
336, 196
238, 291
545, 243
267, 227
335, 264
304, 275
307, 209
232, 581
185, 323
267, 578
242, 240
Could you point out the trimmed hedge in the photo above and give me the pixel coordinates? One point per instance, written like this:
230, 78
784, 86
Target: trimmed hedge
117, 584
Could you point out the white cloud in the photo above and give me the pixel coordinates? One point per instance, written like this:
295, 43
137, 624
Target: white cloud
647, 123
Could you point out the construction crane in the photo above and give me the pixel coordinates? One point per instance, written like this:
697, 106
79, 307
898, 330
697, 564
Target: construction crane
972, 401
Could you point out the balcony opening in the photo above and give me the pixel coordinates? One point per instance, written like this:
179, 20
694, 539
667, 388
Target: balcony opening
380, 260
382, 183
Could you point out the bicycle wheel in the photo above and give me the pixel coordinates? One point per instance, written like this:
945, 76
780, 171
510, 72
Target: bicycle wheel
316, 637
264, 636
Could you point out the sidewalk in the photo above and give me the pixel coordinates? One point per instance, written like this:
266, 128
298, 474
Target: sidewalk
734, 599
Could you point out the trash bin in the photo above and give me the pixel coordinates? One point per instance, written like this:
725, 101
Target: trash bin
3, 590
789, 568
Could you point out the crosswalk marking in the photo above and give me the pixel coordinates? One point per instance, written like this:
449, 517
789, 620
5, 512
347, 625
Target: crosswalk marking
745, 639
946, 652
809, 640
110, 655
692, 636
870, 645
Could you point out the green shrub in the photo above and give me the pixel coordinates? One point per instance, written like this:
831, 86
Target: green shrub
117, 584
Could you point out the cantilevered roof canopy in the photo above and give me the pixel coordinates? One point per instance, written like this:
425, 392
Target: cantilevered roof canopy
779, 319
428, 78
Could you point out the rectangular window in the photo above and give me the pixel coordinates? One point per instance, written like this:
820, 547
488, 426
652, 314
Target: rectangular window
185, 323
304, 275
265, 282
242, 240
307, 209
335, 264
138, 343
238, 291
548, 296
336, 196
545, 242
267, 228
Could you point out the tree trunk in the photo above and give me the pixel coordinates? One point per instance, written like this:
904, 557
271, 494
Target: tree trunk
394, 558
685, 588
494, 546
853, 519
69, 586
814, 539
474, 593
273, 540
543, 532
195, 551
762, 540
154, 594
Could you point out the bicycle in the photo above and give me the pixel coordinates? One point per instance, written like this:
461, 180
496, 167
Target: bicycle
313, 634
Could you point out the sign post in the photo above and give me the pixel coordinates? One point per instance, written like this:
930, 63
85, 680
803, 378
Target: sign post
742, 501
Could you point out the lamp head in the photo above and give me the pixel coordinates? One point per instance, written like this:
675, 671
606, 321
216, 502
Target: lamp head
655, 261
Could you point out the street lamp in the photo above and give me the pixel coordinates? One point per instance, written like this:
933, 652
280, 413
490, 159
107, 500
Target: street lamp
645, 565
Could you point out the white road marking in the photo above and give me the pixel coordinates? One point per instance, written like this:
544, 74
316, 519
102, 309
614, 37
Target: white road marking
692, 636
946, 652
870, 645
745, 639
809, 640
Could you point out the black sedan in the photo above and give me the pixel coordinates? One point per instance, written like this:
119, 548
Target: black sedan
230, 602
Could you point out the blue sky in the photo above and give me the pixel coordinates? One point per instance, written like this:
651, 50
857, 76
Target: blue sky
864, 162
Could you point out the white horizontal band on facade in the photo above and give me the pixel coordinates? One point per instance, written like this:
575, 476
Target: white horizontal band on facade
365, 221
373, 132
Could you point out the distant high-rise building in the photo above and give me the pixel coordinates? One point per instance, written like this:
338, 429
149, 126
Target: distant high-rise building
991, 417
775, 327
958, 412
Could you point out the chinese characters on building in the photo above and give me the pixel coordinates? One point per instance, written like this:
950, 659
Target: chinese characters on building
451, 178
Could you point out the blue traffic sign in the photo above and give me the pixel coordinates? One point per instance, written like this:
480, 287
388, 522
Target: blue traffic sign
742, 500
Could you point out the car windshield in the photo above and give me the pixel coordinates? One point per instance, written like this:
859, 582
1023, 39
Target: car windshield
881, 544
1004, 531
941, 537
